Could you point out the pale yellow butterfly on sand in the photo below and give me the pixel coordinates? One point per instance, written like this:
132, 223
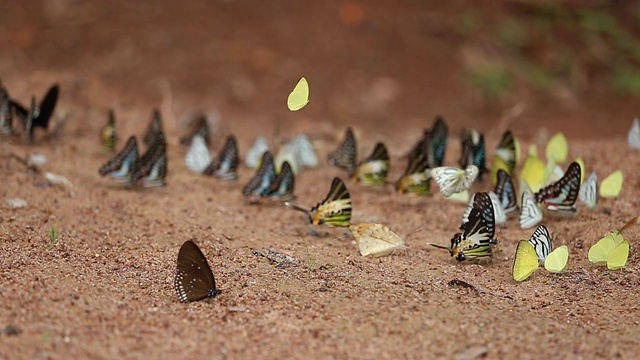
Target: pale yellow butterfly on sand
376, 239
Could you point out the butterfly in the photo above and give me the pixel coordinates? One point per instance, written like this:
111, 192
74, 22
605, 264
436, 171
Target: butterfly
200, 126
530, 214
588, 193
453, 180
612, 249
152, 166
633, 138
498, 212
538, 248
562, 194
376, 239
254, 155
534, 171
108, 132
287, 153
416, 179
37, 116
224, 166
124, 165
304, 151
6, 118
155, 127
506, 156
374, 169
557, 148
260, 184
282, 187
436, 142
506, 193
194, 280
473, 150
477, 238
334, 210
299, 97
612, 185
346, 154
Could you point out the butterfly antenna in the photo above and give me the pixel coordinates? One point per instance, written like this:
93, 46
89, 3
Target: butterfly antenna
295, 206
439, 246
414, 231
630, 223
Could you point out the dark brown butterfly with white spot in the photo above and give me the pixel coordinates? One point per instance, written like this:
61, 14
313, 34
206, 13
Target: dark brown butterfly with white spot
194, 279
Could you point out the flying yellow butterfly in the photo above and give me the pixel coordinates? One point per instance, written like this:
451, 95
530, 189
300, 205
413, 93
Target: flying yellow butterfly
299, 97
376, 239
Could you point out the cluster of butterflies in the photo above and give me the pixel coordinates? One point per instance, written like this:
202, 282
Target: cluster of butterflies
35, 116
128, 167
612, 250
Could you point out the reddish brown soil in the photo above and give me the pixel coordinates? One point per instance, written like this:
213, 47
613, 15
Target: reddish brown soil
105, 289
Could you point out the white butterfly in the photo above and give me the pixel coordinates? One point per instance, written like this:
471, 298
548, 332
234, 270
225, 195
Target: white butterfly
530, 214
589, 191
287, 153
254, 155
376, 239
499, 215
524, 189
633, 139
542, 242
452, 180
198, 158
305, 151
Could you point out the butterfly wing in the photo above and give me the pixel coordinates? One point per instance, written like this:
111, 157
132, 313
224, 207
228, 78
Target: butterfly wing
155, 127
345, 155
194, 280
506, 192
525, 261
633, 138
506, 151
254, 155
476, 240
449, 180
124, 165
600, 251
198, 158
305, 151
473, 150
376, 239
299, 97
108, 132
530, 214
562, 195
418, 183
588, 193
6, 118
335, 209
498, 213
200, 127
260, 184
557, 260
282, 188
153, 164
374, 169
225, 165
618, 257
439, 135
612, 185
541, 242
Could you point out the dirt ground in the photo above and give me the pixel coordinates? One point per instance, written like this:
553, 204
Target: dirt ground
105, 288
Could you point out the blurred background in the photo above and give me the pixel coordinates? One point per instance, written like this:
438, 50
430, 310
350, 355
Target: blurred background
385, 66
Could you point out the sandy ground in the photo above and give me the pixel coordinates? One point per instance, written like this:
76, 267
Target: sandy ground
105, 288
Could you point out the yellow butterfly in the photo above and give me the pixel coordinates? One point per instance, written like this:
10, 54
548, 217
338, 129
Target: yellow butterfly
612, 249
376, 239
538, 248
533, 170
557, 148
334, 210
612, 185
299, 97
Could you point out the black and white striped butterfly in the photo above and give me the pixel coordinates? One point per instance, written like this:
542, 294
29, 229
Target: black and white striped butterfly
37, 116
374, 169
506, 193
473, 151
478, 236
589, 191
542, 242
530, 213
562, 194
194, 280
346, 154
499, 215
152, 166
223, 167
124, 165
